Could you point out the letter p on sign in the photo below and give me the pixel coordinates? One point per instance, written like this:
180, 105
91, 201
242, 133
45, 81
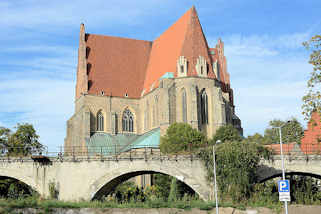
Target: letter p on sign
284, 186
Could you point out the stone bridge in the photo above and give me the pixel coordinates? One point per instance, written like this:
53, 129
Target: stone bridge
309, 165
86, 178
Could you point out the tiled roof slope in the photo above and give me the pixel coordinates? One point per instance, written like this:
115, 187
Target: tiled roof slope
165, 51
119, 66
116, 65
290, 148
195, 44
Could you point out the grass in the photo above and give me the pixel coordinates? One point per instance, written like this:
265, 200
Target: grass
33, 202
46, 206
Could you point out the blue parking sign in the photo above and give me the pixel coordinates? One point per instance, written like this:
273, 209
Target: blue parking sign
284, 185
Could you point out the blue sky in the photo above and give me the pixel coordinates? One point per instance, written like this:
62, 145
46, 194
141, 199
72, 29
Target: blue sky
263, 44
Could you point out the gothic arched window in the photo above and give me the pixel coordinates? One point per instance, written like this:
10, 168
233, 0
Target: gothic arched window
184, 111
204, 108
128, 121
100, 121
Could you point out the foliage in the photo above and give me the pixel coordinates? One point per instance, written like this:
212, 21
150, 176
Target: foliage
24, 141
237, 163
173, 190
292, 131
265, 193
304, 189
162, 183
181, 137
226, 134
12, 188
256, 138
33, 202
4, 137
53, 190
312, 100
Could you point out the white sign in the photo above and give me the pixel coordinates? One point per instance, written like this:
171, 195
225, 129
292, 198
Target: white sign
284, 190
284, 196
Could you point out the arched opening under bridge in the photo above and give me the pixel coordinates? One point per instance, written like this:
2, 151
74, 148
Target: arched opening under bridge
111, 184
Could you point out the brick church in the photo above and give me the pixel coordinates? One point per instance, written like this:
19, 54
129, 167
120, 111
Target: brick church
129, 91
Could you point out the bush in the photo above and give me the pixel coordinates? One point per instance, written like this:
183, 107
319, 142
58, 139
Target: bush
237, 163
181, 137
173, 191
226, 134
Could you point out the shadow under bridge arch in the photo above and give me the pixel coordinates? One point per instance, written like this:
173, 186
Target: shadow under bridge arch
22, 183
105, 184
279, 174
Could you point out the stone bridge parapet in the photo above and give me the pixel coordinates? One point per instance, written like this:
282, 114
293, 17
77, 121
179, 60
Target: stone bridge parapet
293, 164
85, 178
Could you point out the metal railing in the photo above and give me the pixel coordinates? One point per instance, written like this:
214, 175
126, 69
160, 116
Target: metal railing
130, 152
81, 153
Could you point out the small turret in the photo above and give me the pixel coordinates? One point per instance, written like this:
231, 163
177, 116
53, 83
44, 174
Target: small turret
82, 78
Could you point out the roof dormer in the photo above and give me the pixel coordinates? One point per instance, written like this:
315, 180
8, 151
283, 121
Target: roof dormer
201, 67
182, 67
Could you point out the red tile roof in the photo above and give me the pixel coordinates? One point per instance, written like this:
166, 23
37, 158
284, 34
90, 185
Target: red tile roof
118, 65
276, 148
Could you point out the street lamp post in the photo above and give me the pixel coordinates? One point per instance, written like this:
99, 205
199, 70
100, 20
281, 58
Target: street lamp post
215, 185
282, 161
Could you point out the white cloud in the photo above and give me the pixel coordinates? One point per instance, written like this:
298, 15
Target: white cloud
262, 45
268, 83
46, 103
40, 49
32, 13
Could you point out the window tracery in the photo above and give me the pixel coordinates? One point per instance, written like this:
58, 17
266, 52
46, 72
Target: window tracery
100, 121
128, 121
204, 108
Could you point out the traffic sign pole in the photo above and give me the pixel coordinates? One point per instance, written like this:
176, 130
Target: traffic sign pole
283, 173
284, 190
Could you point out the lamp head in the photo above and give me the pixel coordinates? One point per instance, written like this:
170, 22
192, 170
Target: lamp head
218, 142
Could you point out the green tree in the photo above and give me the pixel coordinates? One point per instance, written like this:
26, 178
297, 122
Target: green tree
292, 131
24, 141
173, 190
227, 134
312, 100
4, 137
181, 137
162, 183
237, 163
256, 138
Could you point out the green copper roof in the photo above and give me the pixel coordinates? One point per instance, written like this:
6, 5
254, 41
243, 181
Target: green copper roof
167, 75
107, 144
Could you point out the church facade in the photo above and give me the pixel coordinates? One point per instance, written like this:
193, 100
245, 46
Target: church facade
129, 91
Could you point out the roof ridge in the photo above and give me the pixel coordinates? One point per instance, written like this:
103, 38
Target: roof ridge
118, 37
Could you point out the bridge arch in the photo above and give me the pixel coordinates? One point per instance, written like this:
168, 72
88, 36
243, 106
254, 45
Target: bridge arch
105, 183
20, 177
279, 174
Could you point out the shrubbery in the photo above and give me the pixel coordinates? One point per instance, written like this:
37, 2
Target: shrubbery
237, 163
181, 137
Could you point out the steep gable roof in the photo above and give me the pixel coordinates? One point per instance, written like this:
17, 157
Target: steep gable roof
116, 65
165, 51
195, 44
184, 38
119, 66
